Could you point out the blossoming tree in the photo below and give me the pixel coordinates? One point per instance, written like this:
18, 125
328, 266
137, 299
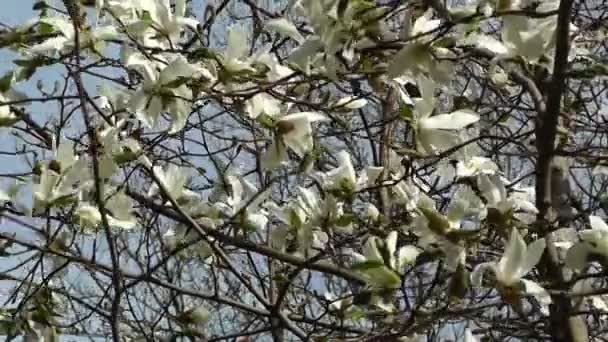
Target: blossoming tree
323, 170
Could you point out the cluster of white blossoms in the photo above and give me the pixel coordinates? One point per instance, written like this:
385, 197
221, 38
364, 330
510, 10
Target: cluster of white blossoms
327, 201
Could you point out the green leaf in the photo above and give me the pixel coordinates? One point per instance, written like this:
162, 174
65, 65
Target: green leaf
367, 265
437, 222
29, 67
5, 81
45, 28
406, 113
355, 314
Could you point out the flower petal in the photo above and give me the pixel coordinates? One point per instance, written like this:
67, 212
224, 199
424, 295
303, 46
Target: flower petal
479, 271
533, 253
538, 292
512, 259
576, 257
453, 121
596, 222
286, 28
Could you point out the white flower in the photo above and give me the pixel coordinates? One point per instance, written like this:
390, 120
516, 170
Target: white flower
296, 130
169, 24
350, 102
175, 237
338, 304
594, 240
342, 177
155, 95
475, 166
121, 211
286, 28
437, 133
262, 103
89, 215
7, 116
65, 41
235, 57
495, 192
374, 265
236, 195
173, 178
61, 179
517, 261
371, 212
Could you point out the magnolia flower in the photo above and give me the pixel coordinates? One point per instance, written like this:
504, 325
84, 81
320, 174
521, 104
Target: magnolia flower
169, 24
286, 28
340, 305
159, 92
173, 178
415, 56
235, 57
262, 103
517, 261
239, 196
196, 316
371, 212
93, 38
89, 215
296, 130
349, 103
475, 166
293, 131
121, 211
530, 38
593, 241
436, 133
277, 70
61, 179
444, 231
380, 264
469, 337
343, 177
305, 214
180, 235
7, 116
501, 206
117, 149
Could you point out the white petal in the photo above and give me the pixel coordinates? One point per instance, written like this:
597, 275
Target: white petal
407, 255
534, 252
178, 68
391, 242
436, 141
285, 27
274, 156
596, 222
454, 121
576, 257
491, 44
308, 116
512, 259
478, 272
371, 250
424, 23
237, 42
543, 297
